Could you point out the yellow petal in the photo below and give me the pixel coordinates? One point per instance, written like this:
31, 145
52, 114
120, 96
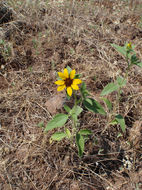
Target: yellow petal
61, 88
61, 75
60, 82
69, 91
129, 45
75, 87
72, 74
77, 81
66, 74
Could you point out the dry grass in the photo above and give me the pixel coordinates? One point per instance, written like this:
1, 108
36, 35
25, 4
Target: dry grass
53, 35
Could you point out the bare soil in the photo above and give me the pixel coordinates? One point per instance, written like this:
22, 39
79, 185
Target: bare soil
42, 38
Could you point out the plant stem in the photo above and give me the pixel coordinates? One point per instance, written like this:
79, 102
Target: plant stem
125, 78
75, 105
75, 99
73, 119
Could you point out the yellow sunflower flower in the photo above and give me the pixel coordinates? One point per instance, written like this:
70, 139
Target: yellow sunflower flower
129, 45
67, 81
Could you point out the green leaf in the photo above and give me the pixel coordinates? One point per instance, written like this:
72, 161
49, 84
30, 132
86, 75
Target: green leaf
111, 87
84, 91
76, 110
67, 108
85, 132
113, 122
77, 76
108, 103
119, 49
134, 60
74, 116
119, 135
58, 136
80, 144
94, 106
121, 121
139, 64
121, 81
68, 133
58, 121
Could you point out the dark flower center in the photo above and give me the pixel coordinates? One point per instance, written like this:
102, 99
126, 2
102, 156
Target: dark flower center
68, 82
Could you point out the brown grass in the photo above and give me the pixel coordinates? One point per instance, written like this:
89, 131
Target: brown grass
52, 36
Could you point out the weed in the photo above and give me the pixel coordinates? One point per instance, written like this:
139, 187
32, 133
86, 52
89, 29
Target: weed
114, 116
69, 80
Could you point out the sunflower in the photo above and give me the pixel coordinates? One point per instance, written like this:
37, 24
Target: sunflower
68, 81
129, 45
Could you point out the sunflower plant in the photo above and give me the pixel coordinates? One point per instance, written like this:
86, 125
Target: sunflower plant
68, 80
127, 51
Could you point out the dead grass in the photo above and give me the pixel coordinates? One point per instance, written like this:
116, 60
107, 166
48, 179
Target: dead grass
52, 36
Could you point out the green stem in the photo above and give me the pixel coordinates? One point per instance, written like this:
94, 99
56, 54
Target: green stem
127, 59
118, 100
79, 101
125, 78
75, 99
73, 120
75, 104
127, 71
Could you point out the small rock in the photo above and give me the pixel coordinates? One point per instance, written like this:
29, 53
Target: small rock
54, 103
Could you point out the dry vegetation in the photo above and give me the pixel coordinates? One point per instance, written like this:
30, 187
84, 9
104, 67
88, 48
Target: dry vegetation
41, 38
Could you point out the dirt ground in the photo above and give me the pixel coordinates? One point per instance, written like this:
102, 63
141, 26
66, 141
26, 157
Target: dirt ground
40, 38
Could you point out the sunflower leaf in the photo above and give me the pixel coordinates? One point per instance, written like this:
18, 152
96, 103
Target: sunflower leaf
85, 132
94, 106
121, 121
76, 110
80, 144
139, 64
108, 103
113, 122
109, 88
67, 108
58, 121
68, 133
58, 136
135, 60
121, 81
84, 91
77, 76
119, 49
